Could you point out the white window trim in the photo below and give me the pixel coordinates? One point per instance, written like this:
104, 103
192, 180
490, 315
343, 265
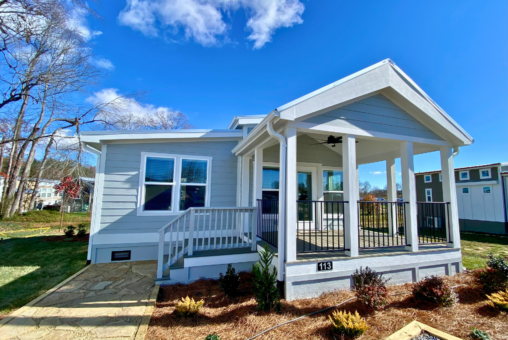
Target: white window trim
175, 209
465, 193
427, 196
425, 179
487, 193
486, 177
325, 168
270, 165
460, 176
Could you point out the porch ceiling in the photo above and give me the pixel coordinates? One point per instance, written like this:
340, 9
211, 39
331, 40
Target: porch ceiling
370, 150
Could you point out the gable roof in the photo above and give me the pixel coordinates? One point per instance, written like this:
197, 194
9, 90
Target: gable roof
481, 166
387, 78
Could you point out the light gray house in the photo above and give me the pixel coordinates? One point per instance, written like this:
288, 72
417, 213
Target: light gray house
196, 200
482, 194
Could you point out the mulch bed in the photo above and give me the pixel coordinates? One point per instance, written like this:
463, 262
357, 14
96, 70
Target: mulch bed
63, 238
239, 319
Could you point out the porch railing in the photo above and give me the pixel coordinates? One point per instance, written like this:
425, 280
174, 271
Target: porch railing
205, 229
433, 222
382, 224
268, 221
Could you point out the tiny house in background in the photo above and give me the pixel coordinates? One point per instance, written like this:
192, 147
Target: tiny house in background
482, 196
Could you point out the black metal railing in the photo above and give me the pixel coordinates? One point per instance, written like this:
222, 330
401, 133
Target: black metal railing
268, 221
433, 222
320, 226
382, 224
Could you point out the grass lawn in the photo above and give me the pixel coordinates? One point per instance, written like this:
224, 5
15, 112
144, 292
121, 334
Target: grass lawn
476, 248
30, 266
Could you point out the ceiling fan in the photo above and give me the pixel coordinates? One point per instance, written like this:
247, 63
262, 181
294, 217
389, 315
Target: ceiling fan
331, 140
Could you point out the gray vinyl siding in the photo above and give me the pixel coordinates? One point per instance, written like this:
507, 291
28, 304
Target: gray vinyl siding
307, 151
121, 182
376, 113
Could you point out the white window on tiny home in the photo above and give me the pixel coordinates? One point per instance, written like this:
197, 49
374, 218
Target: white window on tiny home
173, 183
440, 177
427, 178
428, 195
465, 191
464, 175
487, 190
485, 174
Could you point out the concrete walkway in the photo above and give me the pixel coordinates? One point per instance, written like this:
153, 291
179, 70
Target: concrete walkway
103, 301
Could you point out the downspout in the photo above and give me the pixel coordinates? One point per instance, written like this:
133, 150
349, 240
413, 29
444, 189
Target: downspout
282, 198
456, 152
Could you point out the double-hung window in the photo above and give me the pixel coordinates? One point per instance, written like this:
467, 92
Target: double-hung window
270, 183
428, 195
173, 183
333, 190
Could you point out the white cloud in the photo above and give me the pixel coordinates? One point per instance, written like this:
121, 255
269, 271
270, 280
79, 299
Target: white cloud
203, 20
104, 63
377, 172
77, 20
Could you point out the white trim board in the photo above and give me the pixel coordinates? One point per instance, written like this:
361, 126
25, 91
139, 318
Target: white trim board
468, 184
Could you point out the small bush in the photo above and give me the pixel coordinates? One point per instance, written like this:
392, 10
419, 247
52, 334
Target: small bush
81, 230
188, 307
264, 283
434, 290
479, 334
494, 278
370, 287
69, 231
229, 283
212, 336
499, 300
347, 324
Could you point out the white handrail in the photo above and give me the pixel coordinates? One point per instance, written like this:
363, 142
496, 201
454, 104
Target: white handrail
208, 228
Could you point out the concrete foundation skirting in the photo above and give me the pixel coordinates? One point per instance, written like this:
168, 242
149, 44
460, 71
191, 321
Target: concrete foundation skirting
304, 281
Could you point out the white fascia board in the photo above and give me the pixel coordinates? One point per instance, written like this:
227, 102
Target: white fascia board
102, 136
360, 86
254, 133
427, 107
332, 85
244, 120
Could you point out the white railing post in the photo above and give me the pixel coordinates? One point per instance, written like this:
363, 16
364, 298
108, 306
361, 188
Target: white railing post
254, 228
191, 233
160, 257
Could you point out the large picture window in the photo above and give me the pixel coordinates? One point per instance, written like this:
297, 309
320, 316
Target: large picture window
173, 183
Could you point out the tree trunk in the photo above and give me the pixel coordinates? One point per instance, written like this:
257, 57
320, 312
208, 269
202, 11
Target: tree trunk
62, 206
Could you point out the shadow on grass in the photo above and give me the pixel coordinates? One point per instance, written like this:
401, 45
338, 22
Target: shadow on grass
484, 238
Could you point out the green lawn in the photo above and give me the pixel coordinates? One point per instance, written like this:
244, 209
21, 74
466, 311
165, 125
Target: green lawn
476, 248
31, 266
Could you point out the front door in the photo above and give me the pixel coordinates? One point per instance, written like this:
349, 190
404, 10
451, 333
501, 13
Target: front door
307, 193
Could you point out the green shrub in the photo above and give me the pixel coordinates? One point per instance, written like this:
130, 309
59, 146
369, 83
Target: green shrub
370, 287
69, 231
229, 283
264, 283
494, 278
81, 230
479, 334
212, 336
434, 290
347, 324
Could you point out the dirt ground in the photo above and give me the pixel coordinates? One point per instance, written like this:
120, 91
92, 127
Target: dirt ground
239, 319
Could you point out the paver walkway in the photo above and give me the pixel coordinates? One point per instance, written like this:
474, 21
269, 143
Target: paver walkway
104, 301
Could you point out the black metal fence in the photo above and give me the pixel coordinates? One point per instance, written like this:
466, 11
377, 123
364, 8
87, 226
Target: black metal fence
268, 221
382, 224
320, 226
433, 222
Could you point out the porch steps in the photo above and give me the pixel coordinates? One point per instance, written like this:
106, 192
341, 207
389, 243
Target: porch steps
208, 264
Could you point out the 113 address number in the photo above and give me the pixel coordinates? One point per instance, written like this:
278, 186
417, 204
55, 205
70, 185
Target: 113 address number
321, 266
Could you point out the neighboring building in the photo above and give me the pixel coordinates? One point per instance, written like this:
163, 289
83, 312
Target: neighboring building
196, 200
46, 194
481, 195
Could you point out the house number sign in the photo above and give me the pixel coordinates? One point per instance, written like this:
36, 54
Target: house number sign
321, 266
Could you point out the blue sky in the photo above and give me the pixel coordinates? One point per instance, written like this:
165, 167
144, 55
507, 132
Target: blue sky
238, 60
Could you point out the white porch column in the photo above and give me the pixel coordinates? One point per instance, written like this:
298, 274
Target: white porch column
257, 191
409, 194
450, 195
391, 186
291, 196
244, 201
350, 195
